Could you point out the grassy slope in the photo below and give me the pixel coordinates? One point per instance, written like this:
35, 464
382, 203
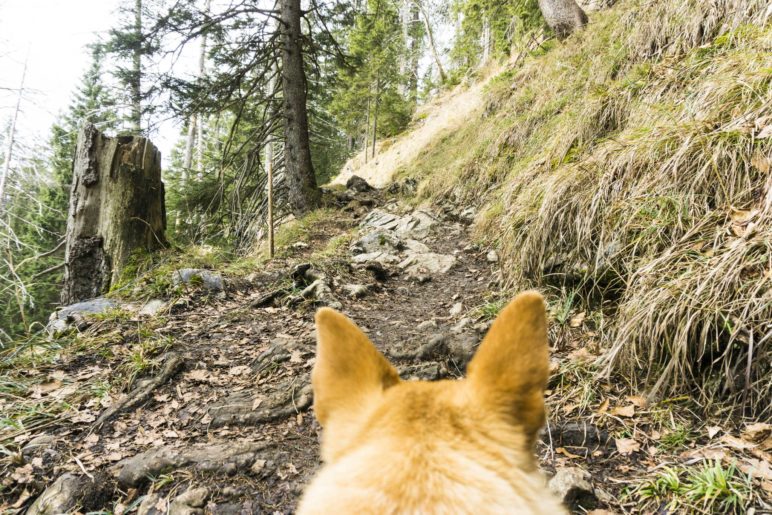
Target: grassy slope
625, 167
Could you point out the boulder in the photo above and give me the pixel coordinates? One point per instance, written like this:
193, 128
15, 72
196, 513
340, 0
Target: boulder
378, 241
211, 281
428, 262
357, 183
573, 486
75, 315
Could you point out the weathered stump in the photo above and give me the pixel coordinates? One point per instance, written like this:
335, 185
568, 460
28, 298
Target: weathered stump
116, 208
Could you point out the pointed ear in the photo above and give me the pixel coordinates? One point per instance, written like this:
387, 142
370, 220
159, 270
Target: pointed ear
349, 373
509, 372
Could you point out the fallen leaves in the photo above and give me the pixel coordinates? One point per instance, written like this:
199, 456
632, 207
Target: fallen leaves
624, 411
626, 446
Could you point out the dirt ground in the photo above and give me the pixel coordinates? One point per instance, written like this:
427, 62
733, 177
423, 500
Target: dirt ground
206, 406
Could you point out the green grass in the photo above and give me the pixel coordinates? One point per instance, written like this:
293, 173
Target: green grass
709, 487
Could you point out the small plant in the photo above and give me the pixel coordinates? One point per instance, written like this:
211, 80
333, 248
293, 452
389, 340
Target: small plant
711, 488
676, 438
715, 488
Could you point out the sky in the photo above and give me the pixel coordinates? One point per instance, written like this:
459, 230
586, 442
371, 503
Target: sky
52, 35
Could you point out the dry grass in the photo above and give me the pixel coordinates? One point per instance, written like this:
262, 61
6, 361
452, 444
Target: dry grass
627, 163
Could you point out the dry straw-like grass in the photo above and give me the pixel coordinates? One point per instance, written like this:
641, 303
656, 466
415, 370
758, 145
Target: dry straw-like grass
633, 161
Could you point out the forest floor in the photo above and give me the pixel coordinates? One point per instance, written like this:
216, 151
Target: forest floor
205, 406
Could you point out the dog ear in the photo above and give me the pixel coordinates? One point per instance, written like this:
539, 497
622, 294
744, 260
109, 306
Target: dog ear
509, 371
349, 371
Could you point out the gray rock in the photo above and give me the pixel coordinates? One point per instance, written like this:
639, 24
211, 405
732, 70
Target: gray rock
461, 325
382, 258
456, 309
378, 241
191, 502
356, 291
316, 290
57, 498
414, 226
152, 307
428, 262
492, 256
209, 280
572, 485
37, 444
357, 183
416, 247
149, 504
75, 315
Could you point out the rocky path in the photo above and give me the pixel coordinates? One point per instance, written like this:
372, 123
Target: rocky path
220, 420
202, 404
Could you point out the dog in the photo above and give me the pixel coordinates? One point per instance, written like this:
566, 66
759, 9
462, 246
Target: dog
454, 446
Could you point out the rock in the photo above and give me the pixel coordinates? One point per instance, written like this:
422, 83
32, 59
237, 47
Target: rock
191, 276
149, 505
380, 272
378, 241
190, 502
427, 262
316, 290
375, 257
492, 256
224, 458
357, 183
69, 491
37, 445
356, 291
456, 309
461, 325
74, 315
299, 245
461, 349
426, 324
413, 226
416, 247
572, 485
152, 307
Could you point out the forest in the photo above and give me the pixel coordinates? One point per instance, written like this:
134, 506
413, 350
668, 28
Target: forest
414, 164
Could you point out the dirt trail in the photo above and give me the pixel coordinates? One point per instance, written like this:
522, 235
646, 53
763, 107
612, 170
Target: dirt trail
442, 116
218, 417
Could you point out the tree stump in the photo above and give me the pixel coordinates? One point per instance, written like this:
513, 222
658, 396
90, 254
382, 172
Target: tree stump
116, 208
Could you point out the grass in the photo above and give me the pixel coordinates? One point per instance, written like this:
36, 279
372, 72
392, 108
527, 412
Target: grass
708, 488
612, 166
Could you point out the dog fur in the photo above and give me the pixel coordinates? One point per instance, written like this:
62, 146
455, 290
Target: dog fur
392, 446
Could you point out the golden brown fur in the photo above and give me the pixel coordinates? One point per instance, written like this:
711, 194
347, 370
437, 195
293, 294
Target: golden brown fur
393, 446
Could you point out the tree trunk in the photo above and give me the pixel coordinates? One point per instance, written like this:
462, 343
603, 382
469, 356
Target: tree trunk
116, 208
375, 112
303, 193
136, 79
432, 45
563, 16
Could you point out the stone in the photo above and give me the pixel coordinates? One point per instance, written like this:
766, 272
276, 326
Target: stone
572, 485
461, 325
69, 491
316, 290
299, 245
75, 315
378, 241
152, 307
382, 258
456, 309
492, 256
36, 445
149, 505
413, 226
357, 183
190, 502
356, 291
190, 276
428, 262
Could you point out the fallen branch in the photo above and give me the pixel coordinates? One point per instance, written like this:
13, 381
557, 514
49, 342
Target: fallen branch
172, 365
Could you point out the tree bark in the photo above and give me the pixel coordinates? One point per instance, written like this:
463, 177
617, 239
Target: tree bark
303, 193
432, 46
116, 208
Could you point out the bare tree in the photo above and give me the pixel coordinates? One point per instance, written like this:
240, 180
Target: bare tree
11, 137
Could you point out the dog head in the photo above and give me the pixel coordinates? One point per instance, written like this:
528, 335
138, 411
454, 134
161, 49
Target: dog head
359, 397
